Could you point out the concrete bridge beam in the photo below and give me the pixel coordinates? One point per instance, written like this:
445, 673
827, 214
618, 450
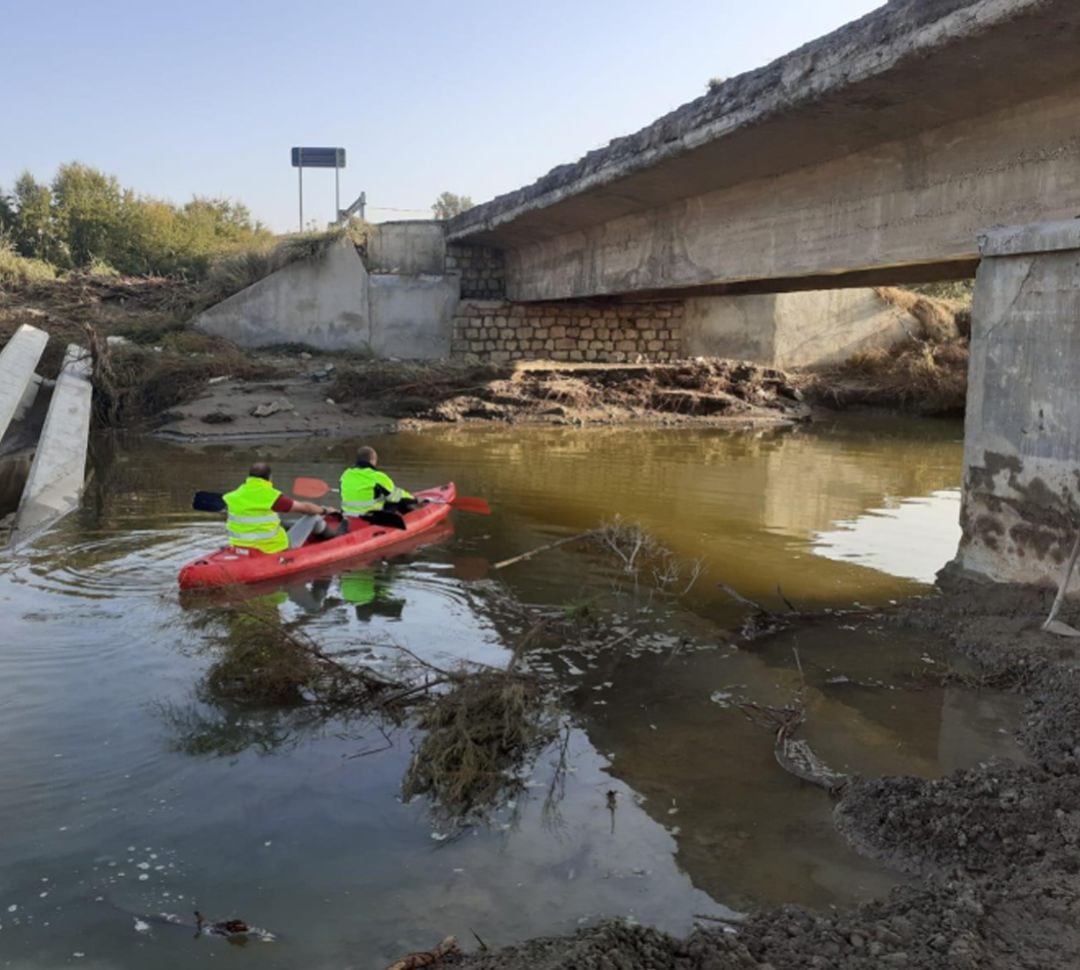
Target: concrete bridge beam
1021, 502
54, 485
17, 362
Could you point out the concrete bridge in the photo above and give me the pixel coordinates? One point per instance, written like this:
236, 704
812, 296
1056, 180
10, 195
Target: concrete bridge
915, 144
928, 139
875, 154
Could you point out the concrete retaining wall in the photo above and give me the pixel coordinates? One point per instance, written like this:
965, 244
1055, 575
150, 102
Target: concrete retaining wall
792, 329
407, 248
1021, 503
332, 303
320, 302
411, 316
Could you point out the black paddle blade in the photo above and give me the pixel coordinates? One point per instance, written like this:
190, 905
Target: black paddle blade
389, 519
208, 502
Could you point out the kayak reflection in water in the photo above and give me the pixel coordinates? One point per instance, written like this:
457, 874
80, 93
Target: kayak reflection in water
365, 489
369, 592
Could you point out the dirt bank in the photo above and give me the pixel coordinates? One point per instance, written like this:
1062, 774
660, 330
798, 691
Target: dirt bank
995, 846
551, 393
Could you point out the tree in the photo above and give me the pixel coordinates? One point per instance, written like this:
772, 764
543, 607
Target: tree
7, 213
87, 219
87, 208
32, 230
449, 205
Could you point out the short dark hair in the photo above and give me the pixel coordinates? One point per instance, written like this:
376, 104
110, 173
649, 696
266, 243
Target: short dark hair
367, 455
260, 470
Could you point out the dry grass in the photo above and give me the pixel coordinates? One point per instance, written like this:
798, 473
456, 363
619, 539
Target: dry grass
918, 376
939, 321
19, 272
231, 273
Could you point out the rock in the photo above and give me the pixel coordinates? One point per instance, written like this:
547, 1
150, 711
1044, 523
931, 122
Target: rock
267, 408
115, 340
218, 380
886, 935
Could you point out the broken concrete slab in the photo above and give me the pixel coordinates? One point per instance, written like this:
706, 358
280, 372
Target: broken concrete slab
17, 362
55, 482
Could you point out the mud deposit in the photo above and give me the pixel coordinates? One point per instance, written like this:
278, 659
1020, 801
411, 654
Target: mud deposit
995, 847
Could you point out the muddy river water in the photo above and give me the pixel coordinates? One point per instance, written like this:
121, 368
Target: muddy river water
122, 795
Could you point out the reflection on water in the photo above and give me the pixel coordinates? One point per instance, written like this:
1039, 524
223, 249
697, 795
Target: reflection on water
672, 803
912, 538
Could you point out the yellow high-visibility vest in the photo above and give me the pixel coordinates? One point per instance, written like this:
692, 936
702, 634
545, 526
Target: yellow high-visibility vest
252, 523
358, 487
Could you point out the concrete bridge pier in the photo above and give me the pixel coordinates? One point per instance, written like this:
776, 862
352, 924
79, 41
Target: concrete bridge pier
1021, 501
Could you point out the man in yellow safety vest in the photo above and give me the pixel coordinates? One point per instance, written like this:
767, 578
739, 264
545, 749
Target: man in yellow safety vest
365, 489
254, 510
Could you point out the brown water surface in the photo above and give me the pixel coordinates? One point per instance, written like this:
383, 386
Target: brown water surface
125, 793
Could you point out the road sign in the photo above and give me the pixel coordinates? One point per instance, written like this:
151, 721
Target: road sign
318, 157
305, 157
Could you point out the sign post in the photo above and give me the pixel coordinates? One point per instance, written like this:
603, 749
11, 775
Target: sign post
319, 158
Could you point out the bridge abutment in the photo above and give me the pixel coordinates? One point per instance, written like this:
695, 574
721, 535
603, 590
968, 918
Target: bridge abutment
1021, 503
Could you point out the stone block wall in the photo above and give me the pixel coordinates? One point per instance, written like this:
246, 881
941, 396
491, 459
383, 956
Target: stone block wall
498, 330
481, 268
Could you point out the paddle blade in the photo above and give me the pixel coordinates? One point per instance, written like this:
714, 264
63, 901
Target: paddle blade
208, 502
310, 488
301, 529
469, 503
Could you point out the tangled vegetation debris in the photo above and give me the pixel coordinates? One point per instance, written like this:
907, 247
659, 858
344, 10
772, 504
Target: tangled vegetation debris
134, 385
261, 661
480, 734
924, 374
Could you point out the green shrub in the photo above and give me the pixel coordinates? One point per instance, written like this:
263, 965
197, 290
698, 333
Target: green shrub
85, 220
18, 271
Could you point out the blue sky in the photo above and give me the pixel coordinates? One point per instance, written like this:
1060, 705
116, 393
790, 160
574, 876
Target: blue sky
478, 97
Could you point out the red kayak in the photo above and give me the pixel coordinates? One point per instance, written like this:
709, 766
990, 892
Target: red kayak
228, 566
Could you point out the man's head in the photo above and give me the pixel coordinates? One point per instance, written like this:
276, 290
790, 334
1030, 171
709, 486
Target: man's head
260, 470
367, 456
